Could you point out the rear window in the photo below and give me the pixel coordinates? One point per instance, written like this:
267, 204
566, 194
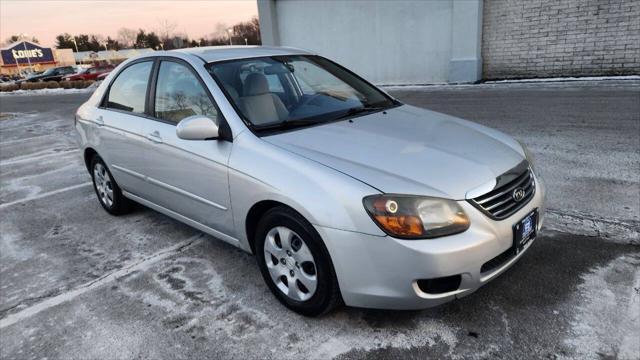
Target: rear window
129, 90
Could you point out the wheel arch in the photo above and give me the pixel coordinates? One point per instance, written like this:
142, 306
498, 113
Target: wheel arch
256, 212
89, 153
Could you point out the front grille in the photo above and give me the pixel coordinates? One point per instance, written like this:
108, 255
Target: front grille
500, 202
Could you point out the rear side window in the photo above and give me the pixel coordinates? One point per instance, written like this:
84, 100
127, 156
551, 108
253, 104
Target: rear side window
129, 90
179, 94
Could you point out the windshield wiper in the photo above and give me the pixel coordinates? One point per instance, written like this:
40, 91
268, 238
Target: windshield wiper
285, 125
360, 110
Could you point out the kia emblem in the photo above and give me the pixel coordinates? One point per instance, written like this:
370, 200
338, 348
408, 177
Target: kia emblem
518, 194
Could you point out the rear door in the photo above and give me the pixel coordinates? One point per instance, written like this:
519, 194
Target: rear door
186, 176
120, 120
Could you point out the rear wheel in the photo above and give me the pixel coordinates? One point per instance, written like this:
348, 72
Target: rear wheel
295, 263
107, 190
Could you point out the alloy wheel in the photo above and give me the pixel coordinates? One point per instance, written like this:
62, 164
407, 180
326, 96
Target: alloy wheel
290, 263
104, 185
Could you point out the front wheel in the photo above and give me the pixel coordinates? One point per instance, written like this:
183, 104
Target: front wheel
295, 263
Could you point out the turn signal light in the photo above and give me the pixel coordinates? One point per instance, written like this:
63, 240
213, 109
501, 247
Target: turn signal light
401, 225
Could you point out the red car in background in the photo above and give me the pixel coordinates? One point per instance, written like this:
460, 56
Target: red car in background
103, 76
91, 73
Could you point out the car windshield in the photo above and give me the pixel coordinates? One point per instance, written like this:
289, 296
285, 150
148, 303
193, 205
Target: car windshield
49, 71
278, 92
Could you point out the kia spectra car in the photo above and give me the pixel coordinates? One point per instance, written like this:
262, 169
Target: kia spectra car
344, 194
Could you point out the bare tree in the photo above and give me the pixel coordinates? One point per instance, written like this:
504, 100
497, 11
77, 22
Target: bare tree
166, 29
127, 37
13, 38
220, 30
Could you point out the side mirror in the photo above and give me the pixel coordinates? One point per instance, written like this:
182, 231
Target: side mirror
197, 127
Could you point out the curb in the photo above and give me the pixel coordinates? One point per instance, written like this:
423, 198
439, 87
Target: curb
582, 224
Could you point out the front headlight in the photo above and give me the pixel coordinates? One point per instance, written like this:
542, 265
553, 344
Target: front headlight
416, 217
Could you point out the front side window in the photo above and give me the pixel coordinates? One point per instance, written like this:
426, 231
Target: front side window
179, 94
278, 92
129, 90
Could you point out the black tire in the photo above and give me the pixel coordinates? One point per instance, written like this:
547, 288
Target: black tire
119, 204
327, 294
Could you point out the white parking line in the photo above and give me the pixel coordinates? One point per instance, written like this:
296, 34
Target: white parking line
45, 194
35, 157
8, 125
141, 264
10, 142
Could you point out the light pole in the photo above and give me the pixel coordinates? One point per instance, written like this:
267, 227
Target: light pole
17, 63
75, 43
24, 45
229, 31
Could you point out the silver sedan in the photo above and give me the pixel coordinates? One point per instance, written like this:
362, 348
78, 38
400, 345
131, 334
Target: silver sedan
344, 194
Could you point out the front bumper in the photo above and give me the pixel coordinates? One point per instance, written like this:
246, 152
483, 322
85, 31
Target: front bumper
382, 272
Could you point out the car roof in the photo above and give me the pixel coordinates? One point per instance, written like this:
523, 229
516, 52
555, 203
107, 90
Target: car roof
221, 53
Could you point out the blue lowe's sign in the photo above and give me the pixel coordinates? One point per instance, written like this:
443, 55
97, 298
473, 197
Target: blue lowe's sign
26, 52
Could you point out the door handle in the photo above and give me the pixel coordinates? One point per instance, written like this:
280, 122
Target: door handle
99, 121
155, 137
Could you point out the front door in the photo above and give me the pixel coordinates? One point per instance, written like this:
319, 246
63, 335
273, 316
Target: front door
186, 176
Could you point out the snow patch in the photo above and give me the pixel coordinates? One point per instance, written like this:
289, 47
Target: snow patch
428, 332
607, 321
556, 79
499, 83
58, 91
195, 300
10, 245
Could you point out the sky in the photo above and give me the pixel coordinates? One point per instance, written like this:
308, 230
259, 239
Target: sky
46, 19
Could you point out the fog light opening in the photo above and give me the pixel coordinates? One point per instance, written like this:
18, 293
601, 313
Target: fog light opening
440, 285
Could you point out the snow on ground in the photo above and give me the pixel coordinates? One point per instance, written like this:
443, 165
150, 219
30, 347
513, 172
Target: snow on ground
64, 295
607, 321
555, 82
48, 91
584, 78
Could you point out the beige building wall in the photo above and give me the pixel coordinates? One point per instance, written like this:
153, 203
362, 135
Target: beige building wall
64, 57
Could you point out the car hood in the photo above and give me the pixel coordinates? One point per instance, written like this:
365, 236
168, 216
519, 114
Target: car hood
409, 150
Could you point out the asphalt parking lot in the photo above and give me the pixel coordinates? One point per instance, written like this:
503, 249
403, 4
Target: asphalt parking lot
78, 283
